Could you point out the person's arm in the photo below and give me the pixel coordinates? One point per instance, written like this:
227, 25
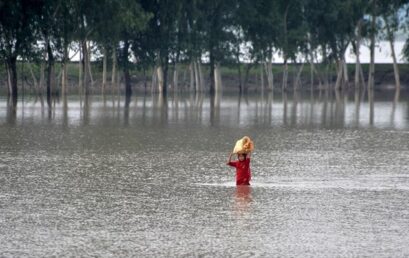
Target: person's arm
229, 159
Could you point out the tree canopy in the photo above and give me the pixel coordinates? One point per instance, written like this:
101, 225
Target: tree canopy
162, 32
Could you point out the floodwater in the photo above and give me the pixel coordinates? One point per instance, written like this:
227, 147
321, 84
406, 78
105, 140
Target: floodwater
147, 177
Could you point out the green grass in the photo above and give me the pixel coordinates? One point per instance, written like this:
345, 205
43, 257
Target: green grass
230, 70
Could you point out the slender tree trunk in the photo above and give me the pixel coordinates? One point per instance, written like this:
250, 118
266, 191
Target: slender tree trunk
192, 76
201, 80
217, 79
395, 63
175, 77
246, 78
64, 77
196, 75
340, 72
262, 78
358, 53
80, 79
85, 66
240, 76
12, 70
212, 76
311, 60
114, 63
268, 69
345, 70
9, 88
154, 79
270, 74
326, 63
89, 67
371, 106
145, 80
50, 73
128, 88
165, 77
285, 75
159, 74
104, 70
371, 76
297, 81
311, 75
33, 77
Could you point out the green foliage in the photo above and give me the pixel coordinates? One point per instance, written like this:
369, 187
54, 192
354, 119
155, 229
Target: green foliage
160, 32
18, 27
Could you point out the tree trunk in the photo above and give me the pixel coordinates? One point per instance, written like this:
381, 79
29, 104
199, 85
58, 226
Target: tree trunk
395, 63
33, 77
240, 77
192, 76
196, 75
201, 80
340, 72
175, 78
297, 82
311, 75
212, 67
113, 74
153, 80
145, 80
268, 69
64, 77
9, 88
80, 79
89, 64
262, 78
159, 76
217, 79
165, 77
246, 78
85, 66
50, 72
358, 53
104, 70
128, 88
12, 70
325, 62
285, 75
371, 76
270, 74
345, 70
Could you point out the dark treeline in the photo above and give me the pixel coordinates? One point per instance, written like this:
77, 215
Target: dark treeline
158, 36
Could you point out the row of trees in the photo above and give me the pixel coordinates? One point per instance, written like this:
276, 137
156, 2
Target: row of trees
159, 35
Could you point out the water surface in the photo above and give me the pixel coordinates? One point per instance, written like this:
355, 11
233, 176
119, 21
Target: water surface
109, 177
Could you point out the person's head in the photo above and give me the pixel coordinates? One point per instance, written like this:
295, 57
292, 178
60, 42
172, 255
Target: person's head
241, 156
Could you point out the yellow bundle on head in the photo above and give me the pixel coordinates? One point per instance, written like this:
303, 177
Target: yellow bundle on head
244, 145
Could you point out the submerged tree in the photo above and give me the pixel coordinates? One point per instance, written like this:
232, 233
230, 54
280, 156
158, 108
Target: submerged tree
18, 21
259, 20
392, 18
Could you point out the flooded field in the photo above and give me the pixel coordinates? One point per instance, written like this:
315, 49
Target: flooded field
147, 176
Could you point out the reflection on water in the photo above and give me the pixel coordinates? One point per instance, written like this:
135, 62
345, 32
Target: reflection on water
146, 176
331, 109
242, 199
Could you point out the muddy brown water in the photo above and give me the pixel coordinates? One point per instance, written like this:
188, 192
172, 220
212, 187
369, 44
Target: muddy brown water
102, 177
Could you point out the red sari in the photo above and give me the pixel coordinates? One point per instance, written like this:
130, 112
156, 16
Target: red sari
243, 173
